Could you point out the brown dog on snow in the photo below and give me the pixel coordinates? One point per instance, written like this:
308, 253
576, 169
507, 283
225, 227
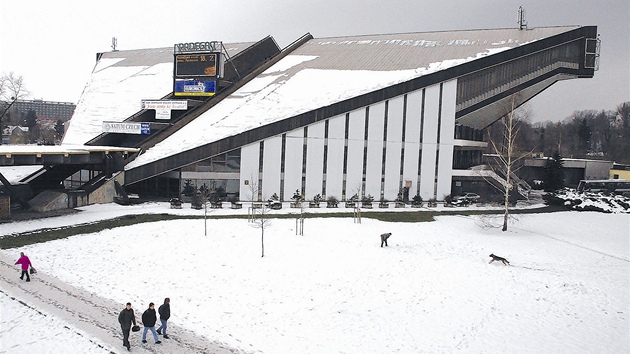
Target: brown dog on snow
384, 238
497, 258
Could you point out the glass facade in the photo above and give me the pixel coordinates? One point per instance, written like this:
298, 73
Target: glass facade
218, 175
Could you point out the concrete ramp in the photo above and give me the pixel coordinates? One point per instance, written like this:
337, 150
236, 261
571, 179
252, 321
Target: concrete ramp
49, 201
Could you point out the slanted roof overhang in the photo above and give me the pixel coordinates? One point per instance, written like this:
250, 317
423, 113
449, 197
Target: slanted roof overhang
485, 112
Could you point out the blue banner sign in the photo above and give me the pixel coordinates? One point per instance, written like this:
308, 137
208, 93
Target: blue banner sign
195, 88
126, 128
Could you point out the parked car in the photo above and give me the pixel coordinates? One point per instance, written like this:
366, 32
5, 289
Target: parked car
466, 198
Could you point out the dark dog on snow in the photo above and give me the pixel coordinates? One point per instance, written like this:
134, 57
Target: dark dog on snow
497, 258
384, 238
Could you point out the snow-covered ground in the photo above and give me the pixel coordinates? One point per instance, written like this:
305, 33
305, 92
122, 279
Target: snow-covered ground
334, 290
29, 330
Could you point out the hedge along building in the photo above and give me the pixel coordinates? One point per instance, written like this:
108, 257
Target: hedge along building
331, 116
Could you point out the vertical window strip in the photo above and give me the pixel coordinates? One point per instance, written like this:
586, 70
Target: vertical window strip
345, 146
384, 157
282, 162
404, 119
422, 106
283, 153
345, 155
365, 146
437, 147
304, 151
437, 165
439, 122
325, 167
419, 169
402, 139
424, 91
261, 155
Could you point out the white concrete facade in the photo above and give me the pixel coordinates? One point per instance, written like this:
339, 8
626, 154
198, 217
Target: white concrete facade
408, 141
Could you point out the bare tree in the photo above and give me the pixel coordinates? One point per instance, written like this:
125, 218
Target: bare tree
257, 212
358, 193
252, 194
261, 221
507, 154
12, 87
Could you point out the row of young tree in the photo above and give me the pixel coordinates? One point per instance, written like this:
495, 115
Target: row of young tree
585, 134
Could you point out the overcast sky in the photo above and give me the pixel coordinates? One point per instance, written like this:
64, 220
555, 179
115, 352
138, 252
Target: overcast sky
53, 44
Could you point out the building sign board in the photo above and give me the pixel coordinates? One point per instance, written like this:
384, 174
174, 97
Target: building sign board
195, 65
127, 128
157, 104
163, 108
192, 47
195, 88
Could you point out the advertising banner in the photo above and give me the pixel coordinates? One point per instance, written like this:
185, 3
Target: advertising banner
163, 108
195, 87
127, 128
156, 104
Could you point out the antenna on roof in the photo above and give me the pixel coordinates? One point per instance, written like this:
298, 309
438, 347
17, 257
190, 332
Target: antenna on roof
522, 24
114, 43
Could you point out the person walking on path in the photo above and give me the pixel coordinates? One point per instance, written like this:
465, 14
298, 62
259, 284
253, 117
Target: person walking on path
25, 262
148, 321
126, 318
165, 313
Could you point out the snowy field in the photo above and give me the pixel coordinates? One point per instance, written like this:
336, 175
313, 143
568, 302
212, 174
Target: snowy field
334, 290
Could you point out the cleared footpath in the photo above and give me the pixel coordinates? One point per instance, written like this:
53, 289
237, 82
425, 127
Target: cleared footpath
94, 315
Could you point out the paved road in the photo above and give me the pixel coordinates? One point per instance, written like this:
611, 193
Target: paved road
95, 315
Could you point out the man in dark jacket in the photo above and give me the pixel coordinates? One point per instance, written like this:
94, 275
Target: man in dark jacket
126, 318
165, 314
148, 320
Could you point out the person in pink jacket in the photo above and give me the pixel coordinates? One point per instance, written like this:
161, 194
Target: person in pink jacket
25, 262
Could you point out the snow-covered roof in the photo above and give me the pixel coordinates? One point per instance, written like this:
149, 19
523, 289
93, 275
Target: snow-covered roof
119, 82
321, 72
329, 70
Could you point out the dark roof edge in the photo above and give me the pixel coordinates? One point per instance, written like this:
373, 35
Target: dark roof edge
446, 31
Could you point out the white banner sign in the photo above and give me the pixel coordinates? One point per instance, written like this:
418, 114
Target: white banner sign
126, 128
162, 114
163, 108
162, 105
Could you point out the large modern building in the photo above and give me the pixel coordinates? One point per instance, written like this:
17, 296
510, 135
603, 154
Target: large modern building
369, 115
46, 109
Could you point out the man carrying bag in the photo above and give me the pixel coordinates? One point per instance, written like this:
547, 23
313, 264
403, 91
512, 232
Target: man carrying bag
125, 318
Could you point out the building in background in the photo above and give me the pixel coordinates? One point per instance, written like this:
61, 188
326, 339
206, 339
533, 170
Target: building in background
375, 115
48, 110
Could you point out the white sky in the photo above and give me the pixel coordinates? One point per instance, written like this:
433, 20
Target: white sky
53, 45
